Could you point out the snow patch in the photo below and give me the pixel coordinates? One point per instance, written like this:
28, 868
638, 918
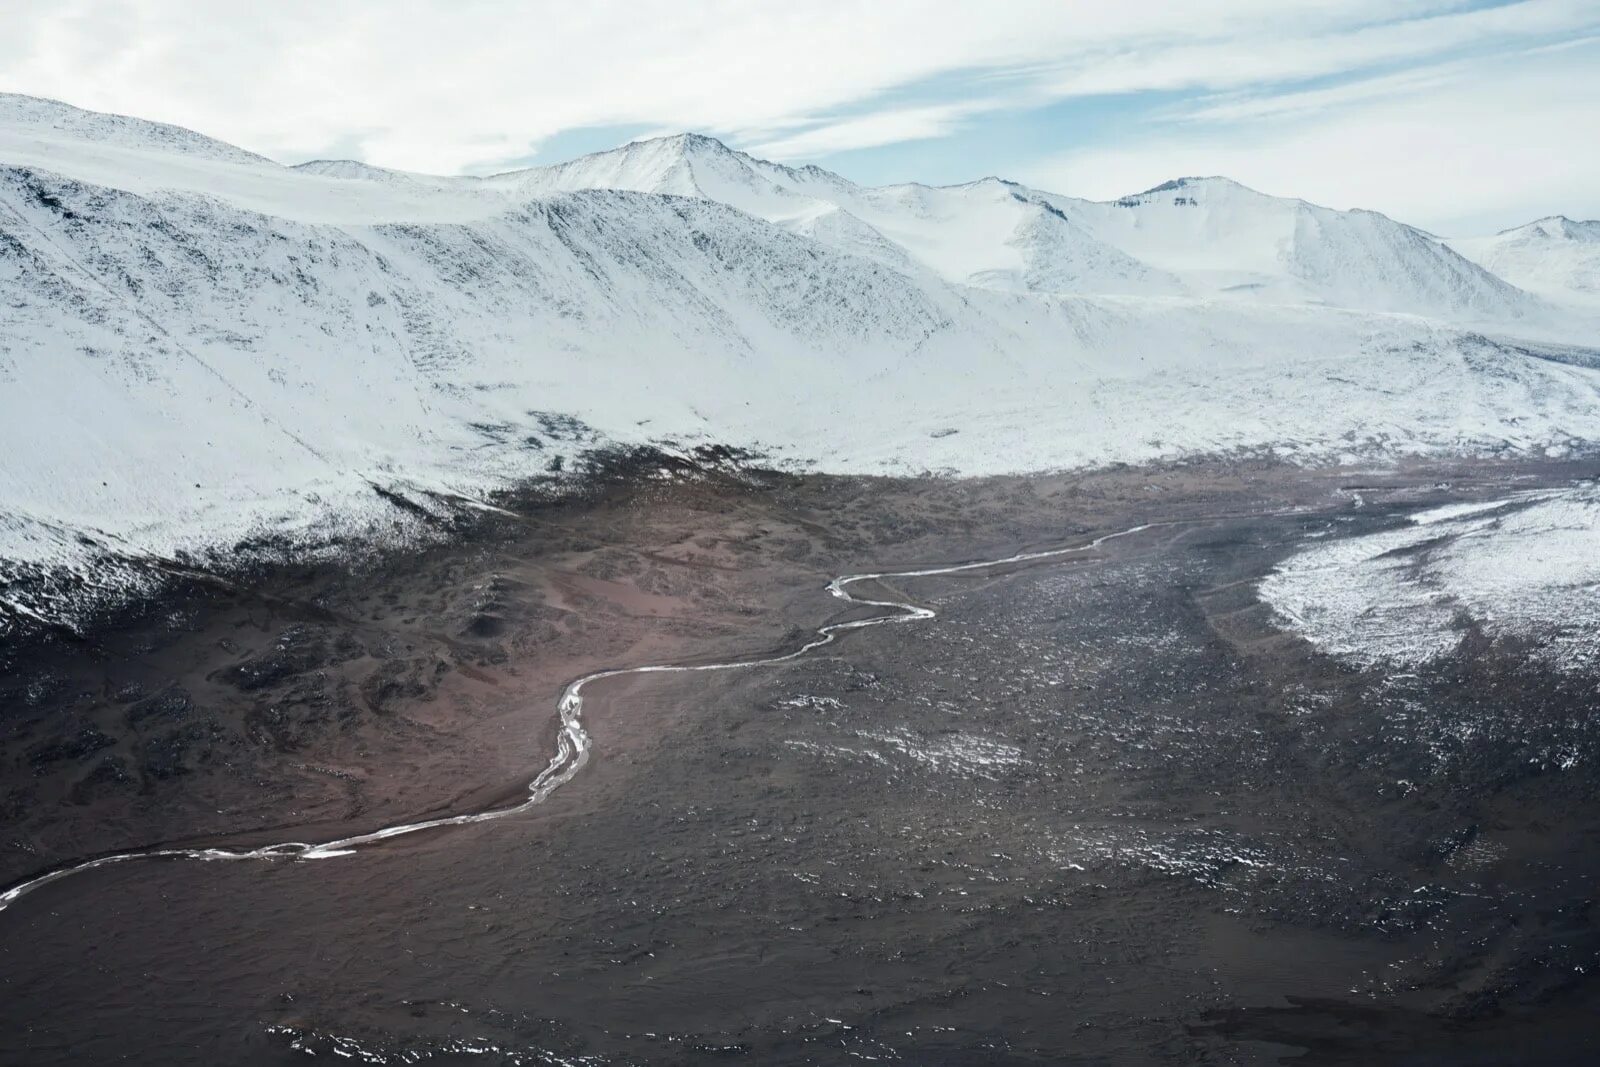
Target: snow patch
1525, 567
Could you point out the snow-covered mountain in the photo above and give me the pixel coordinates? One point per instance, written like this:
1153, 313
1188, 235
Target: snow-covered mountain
1208, 237
1225, 240
991, 233
1556, 257
200, 346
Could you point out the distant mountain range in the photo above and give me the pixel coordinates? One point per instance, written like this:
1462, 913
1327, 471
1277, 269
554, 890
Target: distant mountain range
202, 349
1195, 237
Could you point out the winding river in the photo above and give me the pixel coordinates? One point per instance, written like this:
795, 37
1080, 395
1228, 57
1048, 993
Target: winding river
573, 746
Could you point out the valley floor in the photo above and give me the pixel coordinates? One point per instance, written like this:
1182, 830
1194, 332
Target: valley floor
1103, 808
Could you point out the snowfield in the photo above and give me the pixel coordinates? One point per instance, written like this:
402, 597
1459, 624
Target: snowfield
1527, 567
203, 351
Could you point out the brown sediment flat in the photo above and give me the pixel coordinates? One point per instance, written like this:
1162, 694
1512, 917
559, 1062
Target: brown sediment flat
1101, 808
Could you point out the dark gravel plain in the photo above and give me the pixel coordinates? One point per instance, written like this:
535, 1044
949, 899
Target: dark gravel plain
1100, 810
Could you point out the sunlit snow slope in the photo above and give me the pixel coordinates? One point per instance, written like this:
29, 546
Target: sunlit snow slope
1558, 258
200, 346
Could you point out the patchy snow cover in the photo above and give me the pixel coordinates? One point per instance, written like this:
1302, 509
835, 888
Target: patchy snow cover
202, 351
1526, 567
957, 754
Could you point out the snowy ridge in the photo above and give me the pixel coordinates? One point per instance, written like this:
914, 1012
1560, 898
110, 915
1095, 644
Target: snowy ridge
1229, 241
1206, 237
201, 347
42, 120
990, 232
1556, 257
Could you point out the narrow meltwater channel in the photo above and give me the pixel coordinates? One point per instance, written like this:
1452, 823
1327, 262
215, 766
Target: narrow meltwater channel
572, 745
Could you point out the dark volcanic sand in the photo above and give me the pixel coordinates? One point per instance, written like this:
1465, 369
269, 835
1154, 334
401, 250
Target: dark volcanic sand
1100, 810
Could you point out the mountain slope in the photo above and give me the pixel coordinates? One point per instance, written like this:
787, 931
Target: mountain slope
50, 122
1204, 237
209, 352
989, 233
149, 158
1556, 257
1227, 240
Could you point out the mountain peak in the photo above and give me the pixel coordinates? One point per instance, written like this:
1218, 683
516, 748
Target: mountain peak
1558, 228
699, 142
685, 145
1196, 184
683, 164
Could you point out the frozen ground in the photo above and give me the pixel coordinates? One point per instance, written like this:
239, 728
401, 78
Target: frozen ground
1525, 568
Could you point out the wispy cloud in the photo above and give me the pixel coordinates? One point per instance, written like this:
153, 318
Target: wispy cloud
454, 84
1298, 56
470, 85
1460, 147
873, 129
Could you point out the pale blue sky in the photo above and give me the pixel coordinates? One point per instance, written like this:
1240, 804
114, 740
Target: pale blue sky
1459, 115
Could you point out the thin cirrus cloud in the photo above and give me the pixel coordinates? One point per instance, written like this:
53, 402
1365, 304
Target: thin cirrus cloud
477, 85
1461, 147
1297, 57
875, 128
